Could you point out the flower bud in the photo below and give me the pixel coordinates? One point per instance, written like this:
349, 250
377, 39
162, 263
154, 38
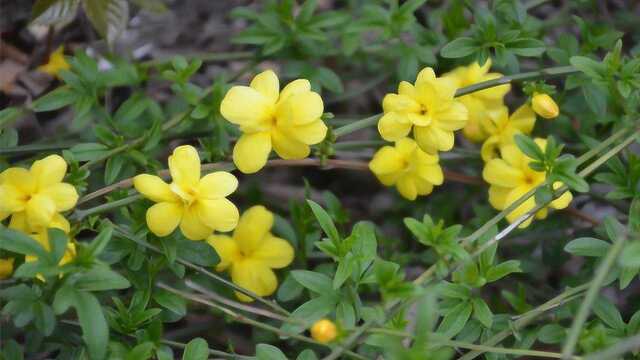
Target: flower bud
324, 331
544, 106
6, 268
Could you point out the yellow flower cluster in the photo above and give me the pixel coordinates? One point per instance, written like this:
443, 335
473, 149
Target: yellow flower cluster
252, 252
34, 198
287, 121
510, 177
55, 63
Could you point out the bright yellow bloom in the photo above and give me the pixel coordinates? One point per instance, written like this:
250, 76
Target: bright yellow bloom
6, 268
35, 197
55, 63
428, 107
324, 331
198, 206
544, 106
502, 128
511, 177
287, 120
478, 103
252, 252
43, 239
406, 166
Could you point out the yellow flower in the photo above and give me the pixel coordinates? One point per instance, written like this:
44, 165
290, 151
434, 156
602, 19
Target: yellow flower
544, 106
406, 166
502, 128
324, 331
56, 63
287, 120
511, 177
198, 206
35, 197
6, 268
43, 239
428, 107
478, 103
252, 252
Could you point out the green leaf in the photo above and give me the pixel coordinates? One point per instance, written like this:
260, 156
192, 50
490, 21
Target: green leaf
55, 99
307, 354
43, 318
330, 80
89, 151
460, 47
171, 302
481, 312
344, 270
196, 349
526, 47
142, 351
108, 17
346, 314
197, 252
132, 108
529, 147
589, 67
552, 334
50, 12
325, 221
608, 313
314, 281
289, 289
12, 351
310, 312
587, 246
100, 278
269, 352
95, 331
455, 320
99, 242
113, 168
613, 228
20, 243
455, 291
630, 257
503, 269
596, 98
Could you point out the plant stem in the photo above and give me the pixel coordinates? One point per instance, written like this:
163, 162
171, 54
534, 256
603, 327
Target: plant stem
585, 308
527, 318
81, 214
272, 304
32, 148
249, 321
531, 75
623, 346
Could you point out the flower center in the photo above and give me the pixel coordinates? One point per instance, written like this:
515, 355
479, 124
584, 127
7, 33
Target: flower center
188, 196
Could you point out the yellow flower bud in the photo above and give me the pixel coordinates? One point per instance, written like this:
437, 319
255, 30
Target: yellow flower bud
6, 268
324, 331
544, 106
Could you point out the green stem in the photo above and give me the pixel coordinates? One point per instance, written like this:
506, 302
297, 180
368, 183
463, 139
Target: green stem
585, 308
357, 125
81, 214
272, 304
527, 318
33, 148
614, 352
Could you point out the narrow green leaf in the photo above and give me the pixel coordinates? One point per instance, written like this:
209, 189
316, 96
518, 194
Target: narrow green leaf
314, 281
455, 320
196, 349
325, 221
481, 312
587, 246
459, 47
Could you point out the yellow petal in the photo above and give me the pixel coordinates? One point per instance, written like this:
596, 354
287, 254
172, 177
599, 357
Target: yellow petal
490, 148
227, 250
564, 200
252, 151
40, 210
498, 196
407, 89
243, 105
400, 104
544, 106
63, 195
267, 84
295, 87
219, 214
287, 147
310, 134
392, 127
513, 156
184, 165
407, 188
19, 222
48, 171
217, 185
425, 74
406, 147
431, 139
431, 173
434, 93
59, 222
492, 93
163, 218
192, 227
12, 199
154, 188
299, 109
252, 228
254, 276
387, 160
21, 179
451, 118
274, 252
525, 207
523, 119
4, 214
423, 187
498, 172
389, 179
